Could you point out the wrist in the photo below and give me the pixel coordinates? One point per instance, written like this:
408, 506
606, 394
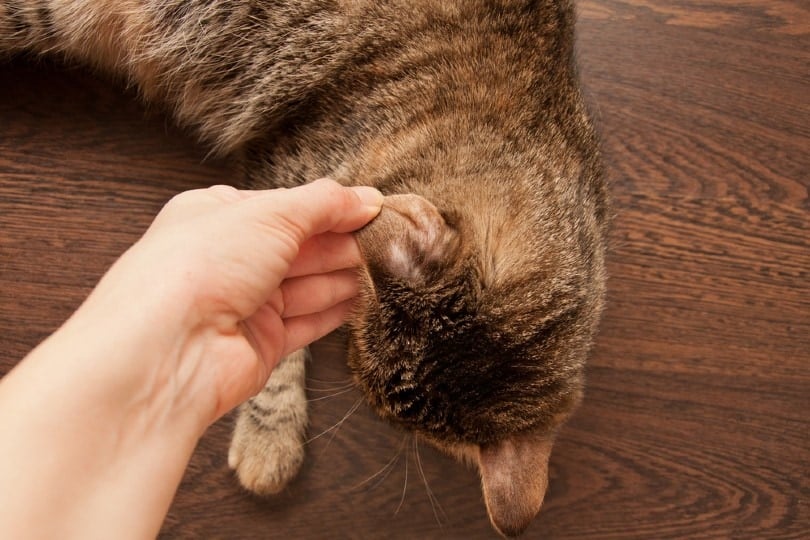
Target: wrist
60, 420
128, 352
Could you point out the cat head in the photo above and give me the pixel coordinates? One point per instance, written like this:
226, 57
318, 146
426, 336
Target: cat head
473, 337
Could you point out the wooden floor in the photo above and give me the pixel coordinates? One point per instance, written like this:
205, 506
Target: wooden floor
695, 423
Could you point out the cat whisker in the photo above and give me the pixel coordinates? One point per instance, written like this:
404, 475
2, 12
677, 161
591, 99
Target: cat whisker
332, 389
404, 488
387, 468
434, 501
334, 433
351, 411
381, 480
324, 381
344, 391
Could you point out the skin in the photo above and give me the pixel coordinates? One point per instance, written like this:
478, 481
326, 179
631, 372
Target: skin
97, 424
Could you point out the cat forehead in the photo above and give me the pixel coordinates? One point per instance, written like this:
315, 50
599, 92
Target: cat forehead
506, 260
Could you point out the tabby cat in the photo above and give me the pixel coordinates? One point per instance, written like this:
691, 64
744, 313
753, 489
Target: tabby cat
484, 273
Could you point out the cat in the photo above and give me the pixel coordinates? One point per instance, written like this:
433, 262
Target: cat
483, 279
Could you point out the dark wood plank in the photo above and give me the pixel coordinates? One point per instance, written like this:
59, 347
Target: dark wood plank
695, 423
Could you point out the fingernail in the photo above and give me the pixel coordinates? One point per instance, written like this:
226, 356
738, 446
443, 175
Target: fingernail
369, 196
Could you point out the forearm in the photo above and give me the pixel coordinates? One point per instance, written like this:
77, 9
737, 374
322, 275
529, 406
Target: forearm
88, 449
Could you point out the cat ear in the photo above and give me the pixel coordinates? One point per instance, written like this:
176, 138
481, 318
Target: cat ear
514, 474
407, 238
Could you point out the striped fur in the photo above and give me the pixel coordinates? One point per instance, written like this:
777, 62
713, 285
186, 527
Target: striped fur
484, 280
268, 440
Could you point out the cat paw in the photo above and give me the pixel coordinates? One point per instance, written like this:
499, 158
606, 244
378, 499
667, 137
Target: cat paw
267, 448
265, 459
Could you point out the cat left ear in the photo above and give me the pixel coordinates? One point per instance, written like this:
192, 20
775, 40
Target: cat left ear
407, 238
514, 474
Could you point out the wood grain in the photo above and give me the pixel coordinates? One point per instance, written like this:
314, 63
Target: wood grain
695, 423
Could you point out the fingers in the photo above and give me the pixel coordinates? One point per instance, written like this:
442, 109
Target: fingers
325, 252
266, 333
304, 308
273, 337
303, 211
323, 205
319, 292
305, 329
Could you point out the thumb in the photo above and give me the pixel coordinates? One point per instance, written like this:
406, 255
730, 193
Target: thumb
315, 208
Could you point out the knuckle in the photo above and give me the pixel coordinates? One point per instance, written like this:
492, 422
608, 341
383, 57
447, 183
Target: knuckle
181, 198
285, 298
335, 191
223, 191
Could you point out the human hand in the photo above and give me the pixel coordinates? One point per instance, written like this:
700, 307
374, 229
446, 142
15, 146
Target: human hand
99, 421
225, 282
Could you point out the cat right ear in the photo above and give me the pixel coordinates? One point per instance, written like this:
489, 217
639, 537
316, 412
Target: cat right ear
514, 477
407, 239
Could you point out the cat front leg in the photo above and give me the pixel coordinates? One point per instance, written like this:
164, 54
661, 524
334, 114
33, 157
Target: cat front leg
267, 447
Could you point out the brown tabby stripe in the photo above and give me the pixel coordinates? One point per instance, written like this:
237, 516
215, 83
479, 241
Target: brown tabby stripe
14, 11
45, 19
265, 411
262, 424
275, 388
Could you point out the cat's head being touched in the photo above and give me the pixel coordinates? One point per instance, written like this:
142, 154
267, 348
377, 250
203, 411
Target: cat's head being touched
477, 311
